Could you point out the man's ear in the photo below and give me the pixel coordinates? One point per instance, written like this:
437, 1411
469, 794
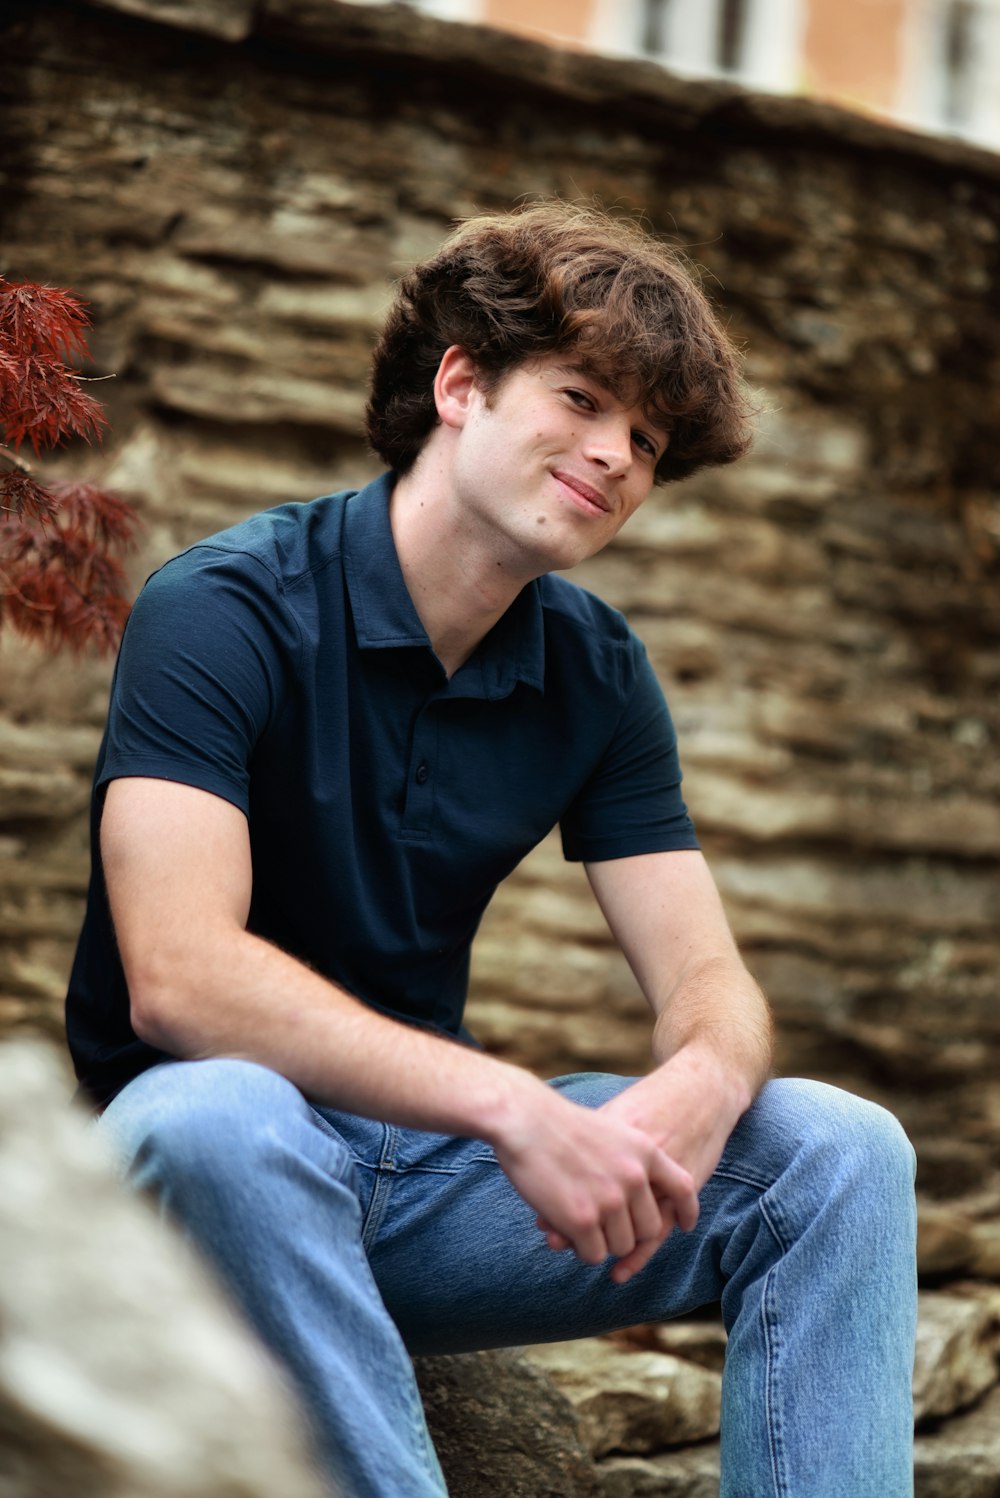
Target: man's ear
455, 386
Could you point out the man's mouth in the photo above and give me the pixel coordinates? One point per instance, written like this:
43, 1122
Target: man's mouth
586, 498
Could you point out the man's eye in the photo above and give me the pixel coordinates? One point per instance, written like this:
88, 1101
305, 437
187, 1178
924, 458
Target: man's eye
647, 444
580, 398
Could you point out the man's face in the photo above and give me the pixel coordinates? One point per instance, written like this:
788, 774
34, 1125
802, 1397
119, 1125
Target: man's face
551, 465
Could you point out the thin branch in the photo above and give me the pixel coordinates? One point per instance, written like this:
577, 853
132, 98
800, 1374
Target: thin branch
10, 456
13, 591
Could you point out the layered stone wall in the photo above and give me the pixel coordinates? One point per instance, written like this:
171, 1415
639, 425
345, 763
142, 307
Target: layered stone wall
232, 185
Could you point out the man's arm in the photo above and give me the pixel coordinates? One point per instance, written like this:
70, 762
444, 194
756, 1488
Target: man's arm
178, 871
712, 1031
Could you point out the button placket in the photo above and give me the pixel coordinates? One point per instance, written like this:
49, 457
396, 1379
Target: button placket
419, 808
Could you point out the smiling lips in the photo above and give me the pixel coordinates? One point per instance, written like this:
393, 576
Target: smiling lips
588, 499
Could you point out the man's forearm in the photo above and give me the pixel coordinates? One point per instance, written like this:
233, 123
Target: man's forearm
712, 1042
712, 1045
666, 913
719, 1008
245, 997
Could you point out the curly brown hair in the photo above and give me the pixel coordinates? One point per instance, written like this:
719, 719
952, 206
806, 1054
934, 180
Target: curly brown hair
557, 277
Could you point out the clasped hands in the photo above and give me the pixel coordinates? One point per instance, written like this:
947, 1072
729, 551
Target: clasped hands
600, 1184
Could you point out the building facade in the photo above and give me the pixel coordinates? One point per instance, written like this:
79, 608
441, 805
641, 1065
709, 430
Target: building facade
930, 64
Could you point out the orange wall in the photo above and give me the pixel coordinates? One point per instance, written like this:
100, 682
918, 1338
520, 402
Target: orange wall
565, 20
853, 51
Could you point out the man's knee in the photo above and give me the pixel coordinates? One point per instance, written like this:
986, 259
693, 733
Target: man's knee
858, 1134
200, 1120
833, 1151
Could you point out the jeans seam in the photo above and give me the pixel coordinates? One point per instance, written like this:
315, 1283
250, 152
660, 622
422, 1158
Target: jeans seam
744, 1180
383, 1172
772, 1341
445, 1170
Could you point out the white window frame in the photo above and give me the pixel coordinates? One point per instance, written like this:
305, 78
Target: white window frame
772, 49
454, 10
923, 88
450, 10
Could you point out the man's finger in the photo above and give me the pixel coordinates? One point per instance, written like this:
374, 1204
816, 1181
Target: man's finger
631, 1264
668, 1179
590, 1245
619, 1232
646, 1214
556, 1241
642, 1253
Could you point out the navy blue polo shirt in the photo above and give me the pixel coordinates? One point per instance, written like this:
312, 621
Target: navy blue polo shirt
281, 665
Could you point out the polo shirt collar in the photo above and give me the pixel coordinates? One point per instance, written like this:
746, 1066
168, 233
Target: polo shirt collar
384, 615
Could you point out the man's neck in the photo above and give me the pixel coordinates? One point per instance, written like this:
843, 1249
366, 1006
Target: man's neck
459, 585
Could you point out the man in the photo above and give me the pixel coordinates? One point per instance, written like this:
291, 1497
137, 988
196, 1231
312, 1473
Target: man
333, 730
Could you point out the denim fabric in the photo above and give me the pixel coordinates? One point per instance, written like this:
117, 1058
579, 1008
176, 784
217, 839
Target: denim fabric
351, 1244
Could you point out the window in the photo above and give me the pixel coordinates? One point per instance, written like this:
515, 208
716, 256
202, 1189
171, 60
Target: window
730, 35
958, 62
654, 42
450, 10
756, 42
951, 76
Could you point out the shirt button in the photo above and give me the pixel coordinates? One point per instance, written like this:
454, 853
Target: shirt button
422, 774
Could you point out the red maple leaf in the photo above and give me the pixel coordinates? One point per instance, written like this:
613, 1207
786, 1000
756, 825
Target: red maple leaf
46, 405
61, 578
42, 320
21, 494
108, 518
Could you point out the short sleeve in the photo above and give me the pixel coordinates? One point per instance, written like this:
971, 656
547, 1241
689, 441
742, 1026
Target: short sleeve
632, 802
199, 674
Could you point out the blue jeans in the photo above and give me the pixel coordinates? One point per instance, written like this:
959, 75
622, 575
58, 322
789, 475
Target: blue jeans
351, 1244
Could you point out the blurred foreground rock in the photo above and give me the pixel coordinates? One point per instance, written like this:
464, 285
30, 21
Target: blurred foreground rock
122, 1372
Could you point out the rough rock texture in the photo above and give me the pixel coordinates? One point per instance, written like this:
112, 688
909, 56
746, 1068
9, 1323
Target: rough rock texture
958, 1351
696, 1341
681, 1474
632, 1401
637, 1405
122, 1373
962, 1459
500, 1426
825, 617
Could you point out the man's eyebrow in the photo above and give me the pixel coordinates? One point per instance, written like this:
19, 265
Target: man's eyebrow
656, 418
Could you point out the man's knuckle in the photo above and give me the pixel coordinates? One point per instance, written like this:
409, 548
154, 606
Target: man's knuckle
614, 1201
586, 1216
633, 1176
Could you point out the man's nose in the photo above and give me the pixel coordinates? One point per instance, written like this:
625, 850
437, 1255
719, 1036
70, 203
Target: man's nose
610, 444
